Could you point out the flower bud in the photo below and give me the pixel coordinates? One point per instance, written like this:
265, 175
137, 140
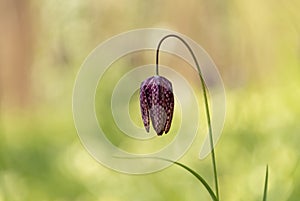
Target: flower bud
157, 102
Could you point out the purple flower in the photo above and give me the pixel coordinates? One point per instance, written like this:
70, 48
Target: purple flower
157, 101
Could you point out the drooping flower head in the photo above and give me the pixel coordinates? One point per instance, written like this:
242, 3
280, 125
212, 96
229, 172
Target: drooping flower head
157, 103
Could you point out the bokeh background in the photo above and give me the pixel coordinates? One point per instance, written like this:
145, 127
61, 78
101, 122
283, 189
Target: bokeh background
255, 44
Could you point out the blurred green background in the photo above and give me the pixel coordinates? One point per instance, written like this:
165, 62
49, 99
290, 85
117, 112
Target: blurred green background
255, 44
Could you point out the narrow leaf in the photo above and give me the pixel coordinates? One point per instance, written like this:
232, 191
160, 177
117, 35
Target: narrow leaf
266, 184
199, 177
204, 183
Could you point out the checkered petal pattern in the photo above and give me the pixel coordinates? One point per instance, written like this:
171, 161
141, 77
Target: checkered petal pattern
157, 104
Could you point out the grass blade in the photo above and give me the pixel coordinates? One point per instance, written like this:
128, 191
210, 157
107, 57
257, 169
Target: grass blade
266, 184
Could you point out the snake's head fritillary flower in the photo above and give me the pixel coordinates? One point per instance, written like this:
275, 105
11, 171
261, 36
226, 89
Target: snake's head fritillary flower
157, 103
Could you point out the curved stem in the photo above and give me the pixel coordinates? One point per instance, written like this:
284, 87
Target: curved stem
203, 85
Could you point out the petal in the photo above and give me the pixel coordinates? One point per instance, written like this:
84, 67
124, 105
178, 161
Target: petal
168, 103
169, 99
144, 107
157, 111
158, 118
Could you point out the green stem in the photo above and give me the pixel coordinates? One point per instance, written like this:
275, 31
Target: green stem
205, 101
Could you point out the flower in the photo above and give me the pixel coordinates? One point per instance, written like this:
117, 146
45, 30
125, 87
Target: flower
157, 101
